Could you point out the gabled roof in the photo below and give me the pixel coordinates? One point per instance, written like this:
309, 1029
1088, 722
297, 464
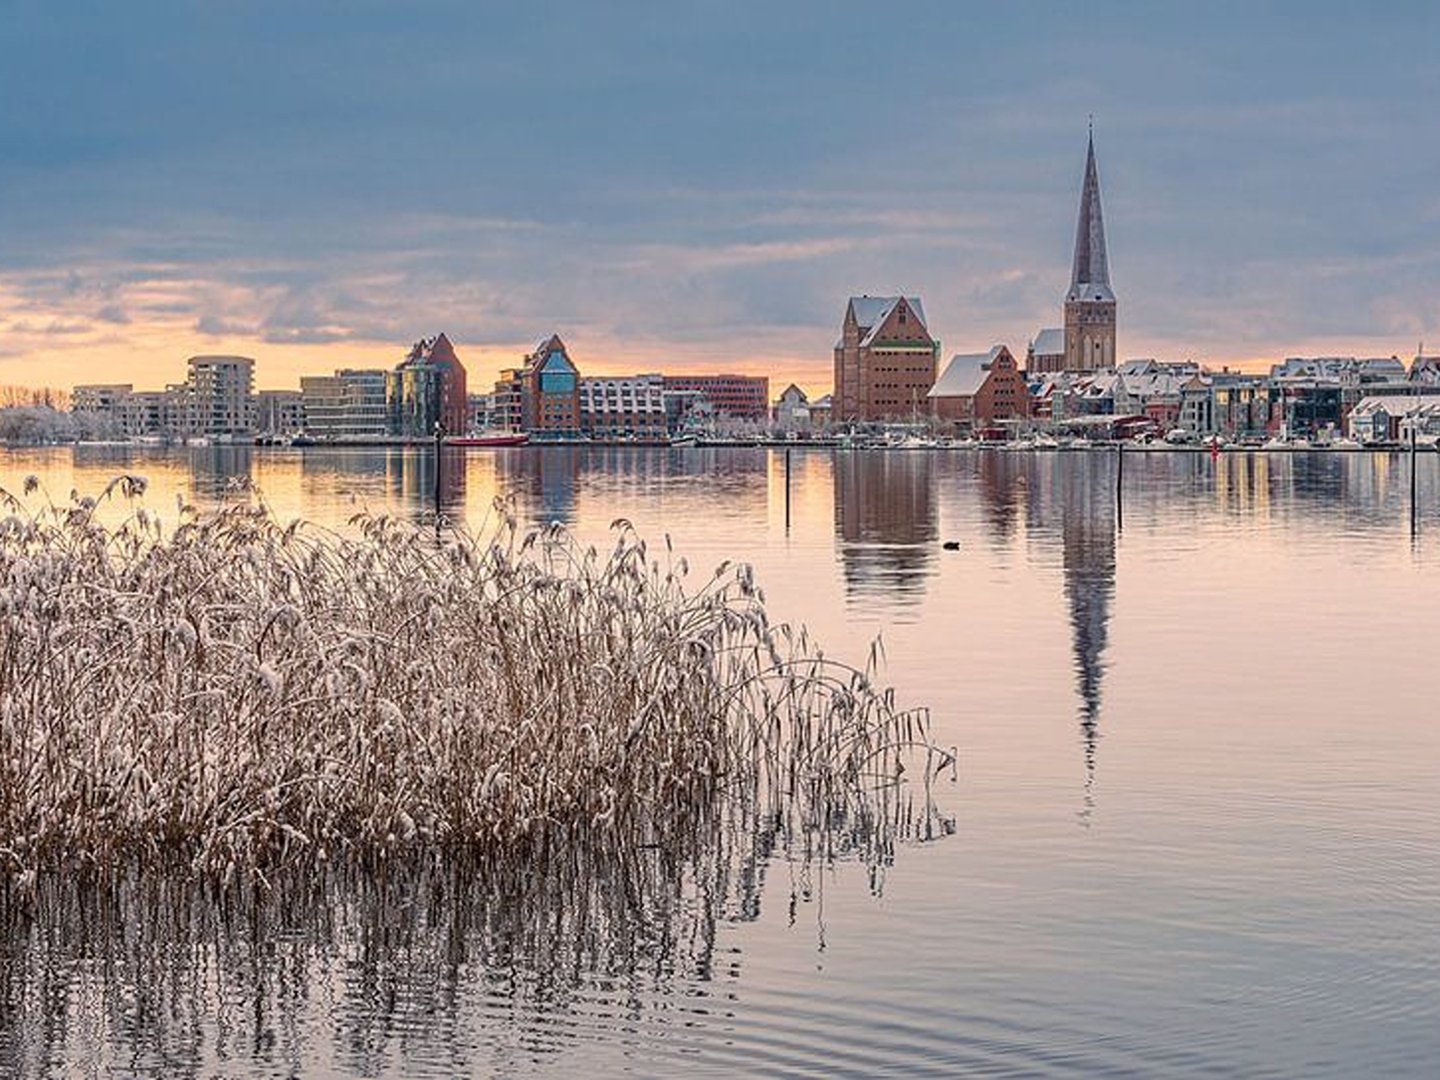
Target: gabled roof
964, 375
872, 311
798, 391
1049, 342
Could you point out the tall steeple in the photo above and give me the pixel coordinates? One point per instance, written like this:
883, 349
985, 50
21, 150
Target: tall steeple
1090, 278
1090, 303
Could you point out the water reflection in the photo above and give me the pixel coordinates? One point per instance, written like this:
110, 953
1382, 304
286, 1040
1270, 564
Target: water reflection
1074, 496
404, 965
885, 522
1088, 527
1003, 482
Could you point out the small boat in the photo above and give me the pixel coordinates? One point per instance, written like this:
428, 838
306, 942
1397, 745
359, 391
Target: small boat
489, 438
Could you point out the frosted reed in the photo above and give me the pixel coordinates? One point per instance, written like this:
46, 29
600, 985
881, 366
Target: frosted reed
233, 695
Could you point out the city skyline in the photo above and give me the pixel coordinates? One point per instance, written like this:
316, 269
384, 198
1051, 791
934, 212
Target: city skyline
702, 194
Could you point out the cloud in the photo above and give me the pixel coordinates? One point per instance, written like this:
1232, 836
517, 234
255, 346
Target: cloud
218, 326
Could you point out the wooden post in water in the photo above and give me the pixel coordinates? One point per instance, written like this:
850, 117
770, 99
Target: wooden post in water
787, 489
1414, 481
1120, 484
439, 445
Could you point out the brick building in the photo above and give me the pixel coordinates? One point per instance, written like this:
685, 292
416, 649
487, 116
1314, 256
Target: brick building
739, 397
885, 360
978, 390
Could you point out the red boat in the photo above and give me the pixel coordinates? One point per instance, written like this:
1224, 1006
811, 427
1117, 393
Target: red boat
501, 438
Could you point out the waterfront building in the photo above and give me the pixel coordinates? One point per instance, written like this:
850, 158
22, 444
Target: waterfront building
1315, 395
623, 407
550, 391
1424, 370
1090, 302
348, 405
103, 403
735, 397
979, 390
1241, 406
279, 412
507, 401
820, 411
217, 397
100, 399
1196, 406
792, 409
885, 360
427, 389
1391, 418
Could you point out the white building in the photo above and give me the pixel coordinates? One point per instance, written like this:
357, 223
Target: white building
622, 407
348, 405
219, 396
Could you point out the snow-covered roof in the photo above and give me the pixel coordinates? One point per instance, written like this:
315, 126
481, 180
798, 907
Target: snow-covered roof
962, 377
872, 311
965, 374
1049, 342
1419, 405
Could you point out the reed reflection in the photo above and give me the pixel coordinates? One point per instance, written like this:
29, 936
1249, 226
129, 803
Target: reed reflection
372, 968
886, 523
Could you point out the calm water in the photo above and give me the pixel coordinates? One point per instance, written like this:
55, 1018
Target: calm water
1195, 830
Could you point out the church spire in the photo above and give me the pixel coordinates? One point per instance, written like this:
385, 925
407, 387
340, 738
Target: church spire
1090, 278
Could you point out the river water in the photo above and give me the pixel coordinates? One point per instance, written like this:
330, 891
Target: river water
1195, 828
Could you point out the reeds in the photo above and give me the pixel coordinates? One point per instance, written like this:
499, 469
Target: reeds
235, 697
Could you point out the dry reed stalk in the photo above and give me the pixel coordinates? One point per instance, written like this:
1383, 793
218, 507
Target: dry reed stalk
237, 697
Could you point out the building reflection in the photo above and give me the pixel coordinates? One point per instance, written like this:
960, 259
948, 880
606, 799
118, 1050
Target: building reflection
1002, 492
885, 522
219, 472
1075, 493
542, 481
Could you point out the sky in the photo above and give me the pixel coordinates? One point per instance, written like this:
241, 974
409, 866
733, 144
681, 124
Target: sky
700, 186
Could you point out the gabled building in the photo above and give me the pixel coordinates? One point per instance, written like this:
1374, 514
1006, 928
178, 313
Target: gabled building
792, 409
885, 360
427, 389
979, 390
1425, 371
550, 391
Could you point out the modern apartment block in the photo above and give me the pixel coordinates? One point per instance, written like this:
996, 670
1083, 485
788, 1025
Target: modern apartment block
218, 396
279, 412
350, 404
623, 407
738, 397
885, 360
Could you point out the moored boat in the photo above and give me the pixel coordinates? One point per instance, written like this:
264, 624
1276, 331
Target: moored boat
491, 438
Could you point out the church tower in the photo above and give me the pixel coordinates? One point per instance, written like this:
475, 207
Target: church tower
1090, 303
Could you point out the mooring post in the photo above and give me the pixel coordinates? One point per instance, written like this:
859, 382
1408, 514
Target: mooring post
439, 443
1120, 484
1414, 481
787, 489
